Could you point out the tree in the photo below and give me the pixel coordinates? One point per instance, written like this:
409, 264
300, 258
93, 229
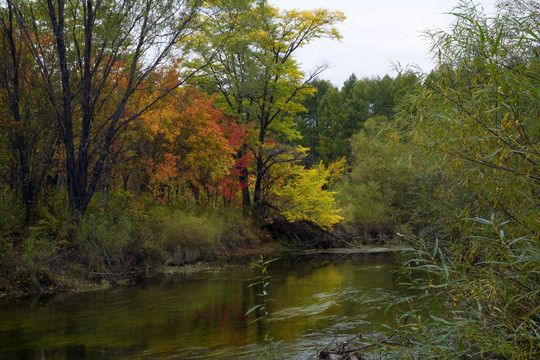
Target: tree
306, 194
333, 116
29, 121
307, 122
348, 86
256, 74
390, 186
103, 53
194, 143
334, 131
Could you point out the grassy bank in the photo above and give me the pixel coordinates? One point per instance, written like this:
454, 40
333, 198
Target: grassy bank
123, 237
122, 241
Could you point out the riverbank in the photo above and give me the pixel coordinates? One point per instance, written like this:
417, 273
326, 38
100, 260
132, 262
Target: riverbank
201, 313
113, 248
65, 274
68, 277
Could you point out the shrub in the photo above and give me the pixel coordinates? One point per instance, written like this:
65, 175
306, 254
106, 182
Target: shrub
478, 300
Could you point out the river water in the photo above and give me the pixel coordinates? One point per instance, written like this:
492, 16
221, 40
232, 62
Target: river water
201, 315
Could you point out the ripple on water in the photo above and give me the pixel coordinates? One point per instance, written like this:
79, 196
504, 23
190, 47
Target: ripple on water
308, 310
202, 315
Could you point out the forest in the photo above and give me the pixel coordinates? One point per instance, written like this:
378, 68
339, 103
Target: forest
138, 134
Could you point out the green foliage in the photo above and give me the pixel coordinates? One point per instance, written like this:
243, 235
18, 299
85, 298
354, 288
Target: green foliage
307, 122
334, 132
52, 217
27, 272
30, 251
138, 236
262, 281
191, 238
12, 219
481, 107
333, 116
390, 187
478, 113
479, 302
106, 248
366, 212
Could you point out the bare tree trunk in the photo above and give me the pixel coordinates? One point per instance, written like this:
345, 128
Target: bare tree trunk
100, 68
244, 184
10, 77
258, 203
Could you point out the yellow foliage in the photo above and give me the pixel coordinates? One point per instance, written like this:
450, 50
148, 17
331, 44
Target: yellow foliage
304, 193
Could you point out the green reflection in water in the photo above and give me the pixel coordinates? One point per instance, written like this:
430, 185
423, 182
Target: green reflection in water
201, 315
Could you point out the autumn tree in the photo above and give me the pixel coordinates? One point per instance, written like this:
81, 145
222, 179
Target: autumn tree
256, 74
194, 145
102, 54
28, 119
307, 194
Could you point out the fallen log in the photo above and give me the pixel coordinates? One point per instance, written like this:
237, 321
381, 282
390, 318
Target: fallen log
342, 351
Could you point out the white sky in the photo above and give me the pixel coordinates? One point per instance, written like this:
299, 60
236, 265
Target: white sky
377, 35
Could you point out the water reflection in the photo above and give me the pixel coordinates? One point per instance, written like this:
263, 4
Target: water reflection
201, 314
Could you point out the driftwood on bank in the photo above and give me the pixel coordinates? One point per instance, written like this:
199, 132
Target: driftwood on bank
344, 351
305, 234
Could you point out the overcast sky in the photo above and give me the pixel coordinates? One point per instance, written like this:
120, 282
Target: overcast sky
377, 34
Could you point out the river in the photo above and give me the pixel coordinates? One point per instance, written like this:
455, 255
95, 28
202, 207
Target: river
201, 314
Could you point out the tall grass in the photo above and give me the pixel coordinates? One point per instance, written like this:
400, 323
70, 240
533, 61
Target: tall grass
121, 237
478, 299
144, 235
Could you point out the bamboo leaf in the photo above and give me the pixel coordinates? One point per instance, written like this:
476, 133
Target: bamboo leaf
253, 309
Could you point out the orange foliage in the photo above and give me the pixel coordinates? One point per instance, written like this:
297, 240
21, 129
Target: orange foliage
197, 146
183, 145
230, 186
